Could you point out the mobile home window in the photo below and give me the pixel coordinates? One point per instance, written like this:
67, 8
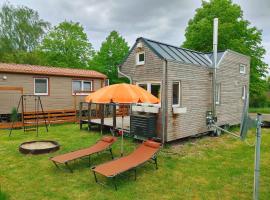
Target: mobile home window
41, 86
242, 69
176, 92
218, 86
81, 85
244, 90
140, 58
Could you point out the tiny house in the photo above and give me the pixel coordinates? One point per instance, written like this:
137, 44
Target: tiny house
182, 79
57, 87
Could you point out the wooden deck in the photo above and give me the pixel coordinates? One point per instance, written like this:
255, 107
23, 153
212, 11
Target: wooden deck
108, 122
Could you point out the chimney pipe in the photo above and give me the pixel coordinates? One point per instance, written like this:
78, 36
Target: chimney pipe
215, 44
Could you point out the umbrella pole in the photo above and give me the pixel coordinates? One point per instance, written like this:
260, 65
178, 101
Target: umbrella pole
122, 141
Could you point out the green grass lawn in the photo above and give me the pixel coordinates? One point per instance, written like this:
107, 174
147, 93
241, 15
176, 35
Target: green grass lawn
205, 168
265, 110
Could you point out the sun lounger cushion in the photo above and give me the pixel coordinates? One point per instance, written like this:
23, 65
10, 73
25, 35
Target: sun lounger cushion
142, 154
107, 139
153, 144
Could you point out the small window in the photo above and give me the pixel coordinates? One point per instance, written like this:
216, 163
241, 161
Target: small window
242, 69
81, 86
155, 89
41, 86
244, 91
140, 58
218, 86
176, 93
144, 86
107, 82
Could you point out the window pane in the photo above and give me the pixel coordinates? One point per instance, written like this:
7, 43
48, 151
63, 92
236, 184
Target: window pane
244, 92
41, 86
76, 86
141, 57
155, 90
87, 86
176, 95
144, 86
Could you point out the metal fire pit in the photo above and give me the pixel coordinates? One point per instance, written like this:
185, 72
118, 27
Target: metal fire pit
39, 147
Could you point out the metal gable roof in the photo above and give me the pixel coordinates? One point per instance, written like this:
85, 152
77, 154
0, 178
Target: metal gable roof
170, 52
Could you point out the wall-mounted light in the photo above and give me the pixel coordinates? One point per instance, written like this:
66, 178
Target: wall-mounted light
4, 77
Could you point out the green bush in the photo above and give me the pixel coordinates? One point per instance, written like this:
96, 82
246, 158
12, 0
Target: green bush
14, 115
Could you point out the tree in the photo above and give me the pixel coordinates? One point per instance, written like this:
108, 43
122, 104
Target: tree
112, 52
21, 29
66, 45
235, 33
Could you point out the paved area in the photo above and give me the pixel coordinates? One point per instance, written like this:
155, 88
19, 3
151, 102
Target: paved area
266, 117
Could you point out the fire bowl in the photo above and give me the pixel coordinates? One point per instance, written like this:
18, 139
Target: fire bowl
39, 147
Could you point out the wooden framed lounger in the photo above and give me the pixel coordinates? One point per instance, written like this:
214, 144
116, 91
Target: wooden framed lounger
103, 144
147, 151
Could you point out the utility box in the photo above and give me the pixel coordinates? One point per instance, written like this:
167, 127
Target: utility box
143, 126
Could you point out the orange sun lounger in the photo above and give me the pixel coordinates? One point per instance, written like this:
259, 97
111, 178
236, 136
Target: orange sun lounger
147, 151
104, 144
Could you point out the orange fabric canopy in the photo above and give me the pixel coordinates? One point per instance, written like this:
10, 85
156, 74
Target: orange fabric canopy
121, 93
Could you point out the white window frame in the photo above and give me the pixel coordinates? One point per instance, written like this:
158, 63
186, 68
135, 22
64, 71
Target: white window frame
218, 91
47, 88
82, 87
180, 94
242, 71
137, 58
244, 91
149, 83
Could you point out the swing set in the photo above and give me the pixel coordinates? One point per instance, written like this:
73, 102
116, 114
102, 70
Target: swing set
31, 120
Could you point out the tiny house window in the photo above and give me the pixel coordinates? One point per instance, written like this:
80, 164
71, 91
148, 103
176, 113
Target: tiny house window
244, 90
144, 86
176, 93
81, 86
242, 69
218, 86
153, 87
41, 86
107, 82
140, 58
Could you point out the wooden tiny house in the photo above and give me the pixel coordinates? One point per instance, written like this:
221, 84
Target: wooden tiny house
61, 89
182, 79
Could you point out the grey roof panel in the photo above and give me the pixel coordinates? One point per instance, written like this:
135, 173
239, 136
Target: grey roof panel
183, 55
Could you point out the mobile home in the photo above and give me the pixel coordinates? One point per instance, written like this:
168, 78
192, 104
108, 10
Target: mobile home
56, 86
182, 79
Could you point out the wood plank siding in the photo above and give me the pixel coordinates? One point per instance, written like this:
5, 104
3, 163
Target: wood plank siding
228, 74
60, 91
195, 97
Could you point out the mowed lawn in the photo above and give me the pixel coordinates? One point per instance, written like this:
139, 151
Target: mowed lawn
202, 168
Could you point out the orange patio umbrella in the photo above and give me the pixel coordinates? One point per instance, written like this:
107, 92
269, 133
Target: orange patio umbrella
122, 93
